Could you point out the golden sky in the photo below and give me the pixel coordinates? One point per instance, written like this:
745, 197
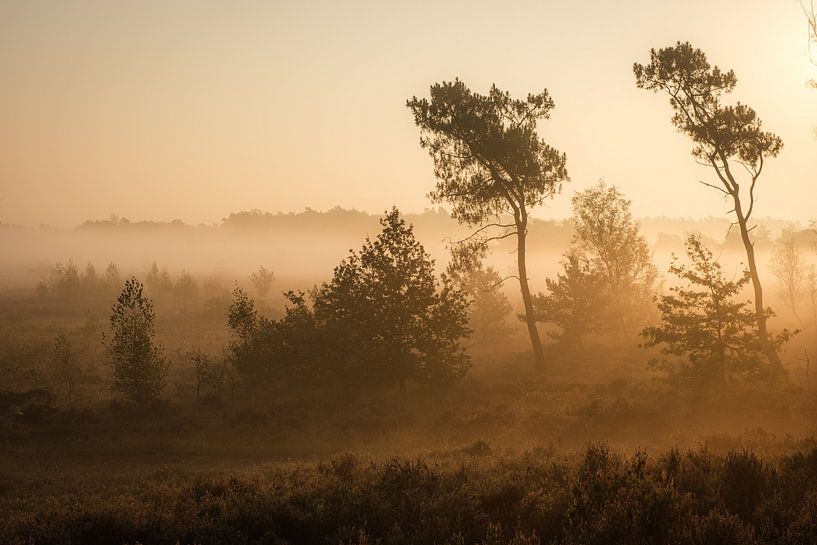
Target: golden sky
195, 109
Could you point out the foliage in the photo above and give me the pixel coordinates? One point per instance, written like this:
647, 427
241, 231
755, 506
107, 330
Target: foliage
789, 267
488, 158
66, 283
693, 497
488, 306
262, 280
251, 352
703, 323
211, 376
725, 137
720, 132
574, 300
186, 290
609, 240
385, 317
490, 163
158, 281
138, 364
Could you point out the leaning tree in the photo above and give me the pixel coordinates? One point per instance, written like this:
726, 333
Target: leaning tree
727, 138
491, 165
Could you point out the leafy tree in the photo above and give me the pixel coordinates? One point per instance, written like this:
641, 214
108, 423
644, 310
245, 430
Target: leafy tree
726, 138
262, 280
90, 280
113, 278
65, 364
387, 318
211, 376
491, 164
573, 301
186, 290
488, 306
252, 349
610, 241
138, 364
65, 281
158, 281
789, 268
704, 324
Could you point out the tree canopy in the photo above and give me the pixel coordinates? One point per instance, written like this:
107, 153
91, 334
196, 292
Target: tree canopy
491, 164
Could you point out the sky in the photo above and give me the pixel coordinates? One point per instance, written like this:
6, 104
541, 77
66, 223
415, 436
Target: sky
192, 110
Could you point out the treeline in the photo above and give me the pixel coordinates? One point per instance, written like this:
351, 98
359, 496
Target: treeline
386, 318
183, 291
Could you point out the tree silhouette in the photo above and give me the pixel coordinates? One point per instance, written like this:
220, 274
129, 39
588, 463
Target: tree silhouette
137, 362
574, 302
262, 280
789, 267
726, 138
252, 350
388, 318
186, 290
610, 241
491, 165
488, 306
705, 324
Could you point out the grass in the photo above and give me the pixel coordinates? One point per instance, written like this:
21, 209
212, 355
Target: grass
475, 495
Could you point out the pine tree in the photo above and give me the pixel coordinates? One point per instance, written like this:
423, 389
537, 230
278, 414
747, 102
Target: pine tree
574, 301
709, 333
387, 318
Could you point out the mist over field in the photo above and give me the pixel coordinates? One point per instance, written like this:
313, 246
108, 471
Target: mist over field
466, 274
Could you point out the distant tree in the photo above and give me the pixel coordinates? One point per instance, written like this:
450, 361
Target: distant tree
488, 306
726, 138
789, 268
158, 281
211, 376
704, 325
113, 278
186, 290
65, 281
387, 318
251, 352
65, 365
137, 361
574, 301
90, 280
262, 280
610, 241
491, 164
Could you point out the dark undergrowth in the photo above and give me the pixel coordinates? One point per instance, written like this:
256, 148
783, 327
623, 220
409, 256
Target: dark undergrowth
472, 495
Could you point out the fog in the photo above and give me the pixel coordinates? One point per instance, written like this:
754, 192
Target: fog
469, 273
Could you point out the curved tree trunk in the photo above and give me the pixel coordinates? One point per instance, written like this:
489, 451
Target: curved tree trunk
536, 343
760, 314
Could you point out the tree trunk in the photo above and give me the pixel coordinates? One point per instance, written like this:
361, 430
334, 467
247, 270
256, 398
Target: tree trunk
760, 314
402, 384
538, 355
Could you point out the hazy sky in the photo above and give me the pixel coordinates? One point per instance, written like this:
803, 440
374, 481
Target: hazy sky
195, 109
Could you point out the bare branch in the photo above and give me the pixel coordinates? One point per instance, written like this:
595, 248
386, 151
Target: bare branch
722, 190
